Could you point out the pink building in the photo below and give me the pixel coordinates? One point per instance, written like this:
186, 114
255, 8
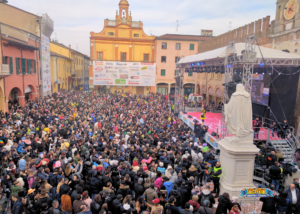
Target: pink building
19, 45
23, 83
170, 48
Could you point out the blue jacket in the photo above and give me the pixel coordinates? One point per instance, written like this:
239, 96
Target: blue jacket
169, 187
21, 150
22, 164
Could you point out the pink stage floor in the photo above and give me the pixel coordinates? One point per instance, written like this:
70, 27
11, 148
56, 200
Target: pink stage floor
214, 119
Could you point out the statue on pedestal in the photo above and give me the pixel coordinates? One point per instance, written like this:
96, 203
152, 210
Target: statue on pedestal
238, 113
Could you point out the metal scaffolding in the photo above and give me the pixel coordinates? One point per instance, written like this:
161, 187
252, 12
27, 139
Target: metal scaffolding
179, 91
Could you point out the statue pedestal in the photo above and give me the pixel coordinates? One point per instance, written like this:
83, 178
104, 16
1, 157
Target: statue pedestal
237, 162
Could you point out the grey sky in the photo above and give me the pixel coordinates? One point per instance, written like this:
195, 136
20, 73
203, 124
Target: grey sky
75, 19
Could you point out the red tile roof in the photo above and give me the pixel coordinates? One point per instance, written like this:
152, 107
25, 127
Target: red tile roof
183, 37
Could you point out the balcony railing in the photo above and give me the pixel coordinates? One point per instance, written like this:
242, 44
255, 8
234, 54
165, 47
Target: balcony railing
4, 70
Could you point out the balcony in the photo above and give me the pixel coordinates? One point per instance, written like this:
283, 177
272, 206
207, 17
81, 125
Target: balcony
4, 70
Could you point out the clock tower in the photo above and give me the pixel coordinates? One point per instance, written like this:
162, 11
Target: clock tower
287, 16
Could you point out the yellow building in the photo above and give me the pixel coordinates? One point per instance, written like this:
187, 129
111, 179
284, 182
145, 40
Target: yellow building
60, 66
122, 40
77, 68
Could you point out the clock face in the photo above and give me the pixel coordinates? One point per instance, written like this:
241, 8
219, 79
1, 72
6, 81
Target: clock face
290, 9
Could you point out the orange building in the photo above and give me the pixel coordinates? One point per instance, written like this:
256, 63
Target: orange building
122, 40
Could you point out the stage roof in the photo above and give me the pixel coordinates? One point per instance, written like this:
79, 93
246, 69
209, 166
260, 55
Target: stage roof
220, 53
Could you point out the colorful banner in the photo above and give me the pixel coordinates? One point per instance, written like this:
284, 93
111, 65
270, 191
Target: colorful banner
124, 73
186, 120
257, 192
211, 140
46, 69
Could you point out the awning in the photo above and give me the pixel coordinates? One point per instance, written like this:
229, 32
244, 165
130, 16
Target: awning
27, 90
220, 53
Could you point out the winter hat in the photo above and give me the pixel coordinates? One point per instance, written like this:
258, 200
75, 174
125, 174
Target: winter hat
140, 180
161, 164
156, 201
145, 168
119, 196
126, 206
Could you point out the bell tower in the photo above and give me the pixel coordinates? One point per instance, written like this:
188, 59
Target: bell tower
124, 14
287, 16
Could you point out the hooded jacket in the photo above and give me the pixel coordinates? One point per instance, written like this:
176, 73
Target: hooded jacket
195, 205
150, 194
169, 186
192, 171
124, 191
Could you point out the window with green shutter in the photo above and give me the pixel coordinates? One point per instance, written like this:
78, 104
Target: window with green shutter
23, 66
190, 74
163, 72
34, 66
29, 66
11, 67
176, 73
4, 60
17, 66
192, 46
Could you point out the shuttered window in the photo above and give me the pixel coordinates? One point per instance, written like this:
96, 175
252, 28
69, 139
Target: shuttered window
29, 66
163, 72
34, 66
11, 66
23, 66
17, 65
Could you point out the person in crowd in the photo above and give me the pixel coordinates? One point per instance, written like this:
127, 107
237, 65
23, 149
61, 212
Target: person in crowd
150, 194
156, 208
275, 175
236, 210
206, 195
293, 196
259, 160
194, 203
171, 206
274, 128
186, 209
256, 127
217, 171
270, 159
282, 203
224, 204
205, 208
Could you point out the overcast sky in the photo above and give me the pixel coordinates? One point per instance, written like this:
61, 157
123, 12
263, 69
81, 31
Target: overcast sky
75, 19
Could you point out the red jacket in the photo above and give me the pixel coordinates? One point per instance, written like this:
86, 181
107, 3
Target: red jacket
254, 124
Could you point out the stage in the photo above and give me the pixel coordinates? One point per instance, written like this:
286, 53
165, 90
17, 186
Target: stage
213, 121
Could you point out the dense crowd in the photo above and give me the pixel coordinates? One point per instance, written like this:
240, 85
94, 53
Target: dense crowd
87, 153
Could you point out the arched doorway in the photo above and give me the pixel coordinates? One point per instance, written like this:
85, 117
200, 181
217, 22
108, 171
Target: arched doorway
58, 84
29, 91
198, 89
162, 88
211, 93
172, 89
14, 96
218, 96
2, 100
188, 89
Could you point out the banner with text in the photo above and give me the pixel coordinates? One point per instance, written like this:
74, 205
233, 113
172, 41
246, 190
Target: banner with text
124, 73
46, 69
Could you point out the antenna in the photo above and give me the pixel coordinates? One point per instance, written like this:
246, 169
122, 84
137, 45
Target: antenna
229, 26
177, 25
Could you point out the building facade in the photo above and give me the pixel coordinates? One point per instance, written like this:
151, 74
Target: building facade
20, 41
86, 72
170, 48
61, 64
77, 68
122, 40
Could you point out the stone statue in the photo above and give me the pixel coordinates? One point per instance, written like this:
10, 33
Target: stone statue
238, 113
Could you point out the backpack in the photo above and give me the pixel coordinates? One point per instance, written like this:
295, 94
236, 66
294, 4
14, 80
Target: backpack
207, 168
203, 198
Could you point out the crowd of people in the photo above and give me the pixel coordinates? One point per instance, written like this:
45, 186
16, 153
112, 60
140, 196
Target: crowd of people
88, 153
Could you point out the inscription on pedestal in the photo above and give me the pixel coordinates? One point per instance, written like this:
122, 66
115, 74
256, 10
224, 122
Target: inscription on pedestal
241, 171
